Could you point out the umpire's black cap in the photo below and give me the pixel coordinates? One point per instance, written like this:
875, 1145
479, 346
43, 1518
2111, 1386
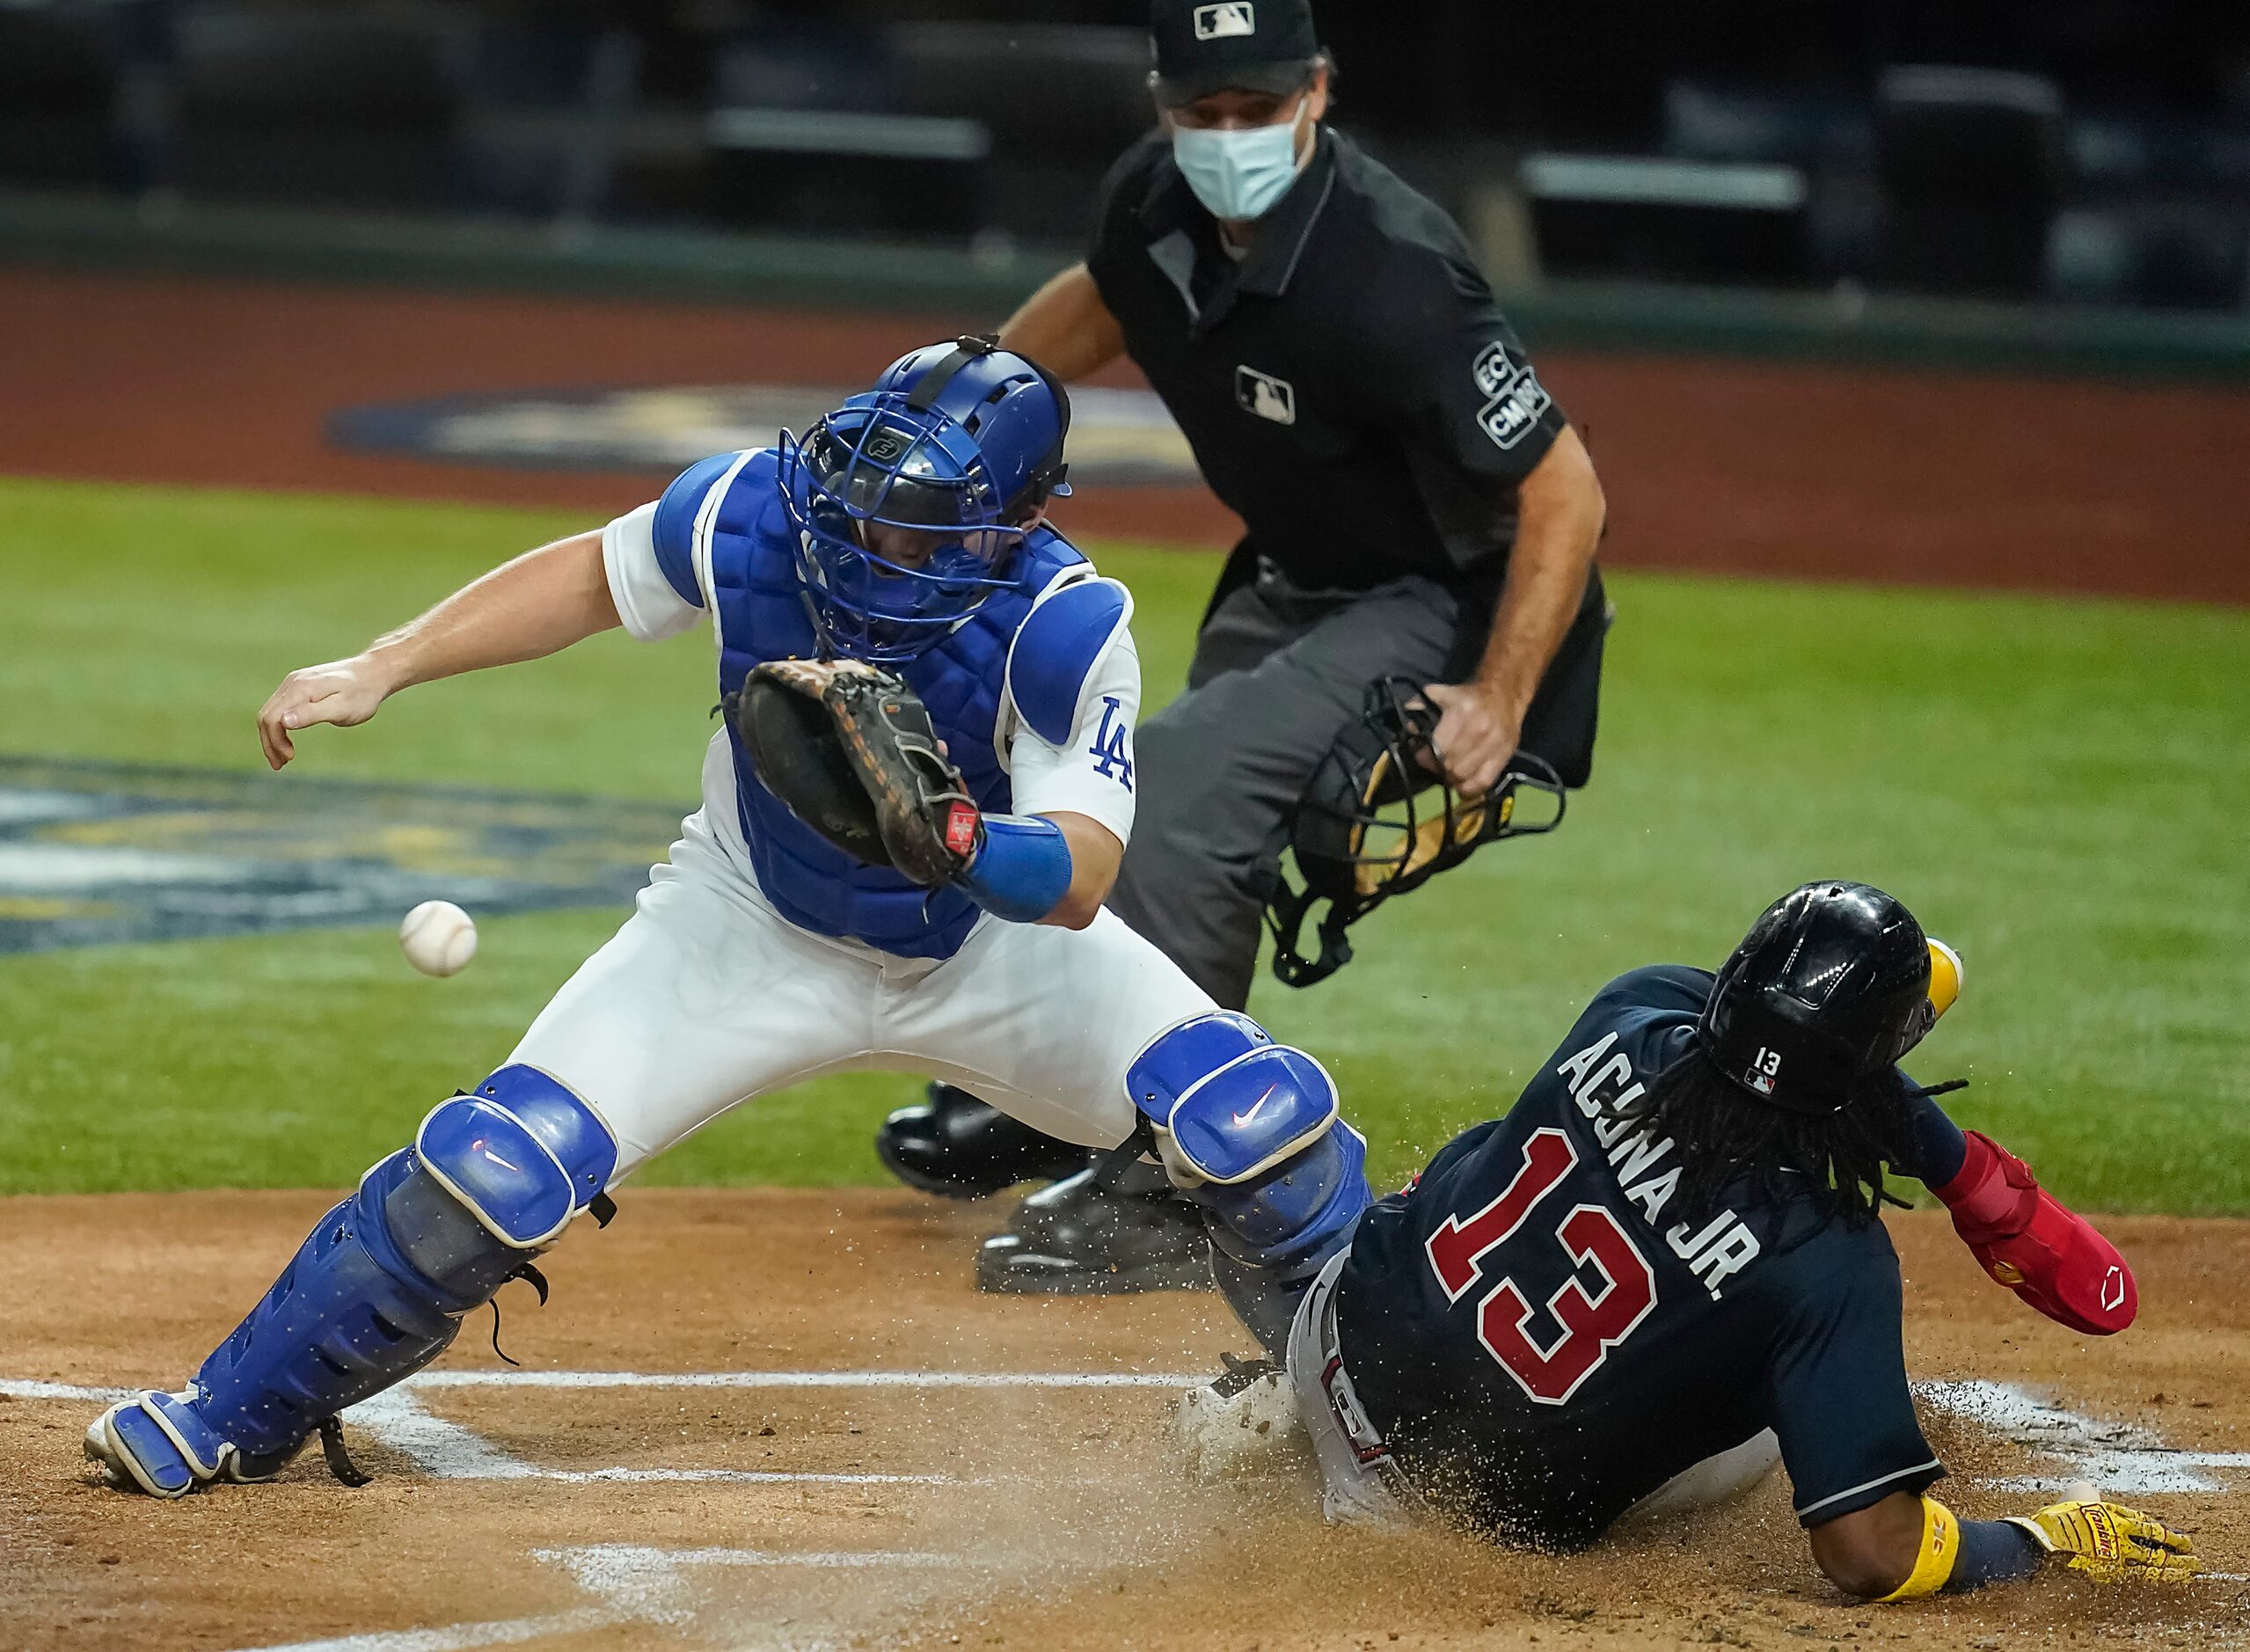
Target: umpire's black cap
1208, 46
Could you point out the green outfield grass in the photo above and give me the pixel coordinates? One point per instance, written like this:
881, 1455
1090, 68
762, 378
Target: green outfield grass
2061, 788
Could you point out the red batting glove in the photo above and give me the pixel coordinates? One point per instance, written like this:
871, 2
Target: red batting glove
2051, 1257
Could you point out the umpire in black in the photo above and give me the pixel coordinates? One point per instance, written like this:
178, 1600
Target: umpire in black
1416, 504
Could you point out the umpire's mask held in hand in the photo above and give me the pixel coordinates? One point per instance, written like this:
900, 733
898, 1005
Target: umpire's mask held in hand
1239, 174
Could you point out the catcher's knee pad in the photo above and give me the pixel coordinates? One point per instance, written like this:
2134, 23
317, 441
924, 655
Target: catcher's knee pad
1251, 1130
523, 1155
378, 1288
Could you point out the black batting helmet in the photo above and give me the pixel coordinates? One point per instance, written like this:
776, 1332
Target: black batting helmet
1832, 985
1377, 818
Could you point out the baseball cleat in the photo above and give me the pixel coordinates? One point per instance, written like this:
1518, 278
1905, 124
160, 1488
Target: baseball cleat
156, 1443
1078, 1238
1244, 1421
957, 1147
2026, 1240
141, 1445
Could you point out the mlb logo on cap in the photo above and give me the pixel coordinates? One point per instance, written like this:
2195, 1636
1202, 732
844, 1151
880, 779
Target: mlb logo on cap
1229, 20
1230, 44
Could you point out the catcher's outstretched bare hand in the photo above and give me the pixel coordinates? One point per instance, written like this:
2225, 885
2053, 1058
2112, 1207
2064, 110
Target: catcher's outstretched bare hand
342, 692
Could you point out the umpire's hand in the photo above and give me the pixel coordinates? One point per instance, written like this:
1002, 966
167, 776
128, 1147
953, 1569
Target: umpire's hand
1477, 732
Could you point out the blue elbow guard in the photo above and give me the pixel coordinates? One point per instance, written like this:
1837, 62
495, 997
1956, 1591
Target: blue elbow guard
1023, 871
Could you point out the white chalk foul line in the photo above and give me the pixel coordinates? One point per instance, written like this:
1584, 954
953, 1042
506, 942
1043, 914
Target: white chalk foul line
638, 1583
2120, 1458
24, 1389
450, 1451
603, 1560
17, 1388
801, 1379
461, 1637
635, 1582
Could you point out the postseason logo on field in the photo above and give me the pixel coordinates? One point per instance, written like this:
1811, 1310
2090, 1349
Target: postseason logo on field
1514, 397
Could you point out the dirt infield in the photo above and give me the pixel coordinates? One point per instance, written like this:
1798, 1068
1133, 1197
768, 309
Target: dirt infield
1729, 466
793, 1424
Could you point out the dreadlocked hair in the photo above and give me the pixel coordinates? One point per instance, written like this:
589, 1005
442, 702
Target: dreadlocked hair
1724, 1136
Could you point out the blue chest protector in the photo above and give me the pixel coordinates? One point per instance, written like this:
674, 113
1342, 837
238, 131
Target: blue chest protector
760, 616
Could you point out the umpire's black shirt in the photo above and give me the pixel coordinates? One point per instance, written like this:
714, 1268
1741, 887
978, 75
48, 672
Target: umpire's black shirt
1349, 386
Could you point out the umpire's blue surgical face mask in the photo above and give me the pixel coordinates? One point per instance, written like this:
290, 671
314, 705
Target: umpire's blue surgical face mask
1242, 172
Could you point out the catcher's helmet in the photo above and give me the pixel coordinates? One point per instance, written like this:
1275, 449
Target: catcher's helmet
1834, 984
1367, 828
956, 446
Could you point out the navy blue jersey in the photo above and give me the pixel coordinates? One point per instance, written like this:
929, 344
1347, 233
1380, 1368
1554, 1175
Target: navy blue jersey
1543, 1340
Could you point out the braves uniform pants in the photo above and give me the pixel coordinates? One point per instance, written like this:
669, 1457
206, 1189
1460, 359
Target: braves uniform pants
1360, 1485
1279, 673
708, 998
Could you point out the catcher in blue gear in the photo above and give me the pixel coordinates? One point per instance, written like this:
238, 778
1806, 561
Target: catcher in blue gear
912, 813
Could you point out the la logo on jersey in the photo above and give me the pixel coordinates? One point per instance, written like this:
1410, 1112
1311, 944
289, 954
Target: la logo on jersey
1263, 394
1112, 759
1225, 22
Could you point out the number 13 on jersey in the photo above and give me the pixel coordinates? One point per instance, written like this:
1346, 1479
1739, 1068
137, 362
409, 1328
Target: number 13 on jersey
1593, 1322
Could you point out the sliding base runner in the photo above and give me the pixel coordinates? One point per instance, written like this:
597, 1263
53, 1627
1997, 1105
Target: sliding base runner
1665, 1271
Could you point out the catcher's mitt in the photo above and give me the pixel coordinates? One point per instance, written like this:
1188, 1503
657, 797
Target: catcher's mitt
850, 750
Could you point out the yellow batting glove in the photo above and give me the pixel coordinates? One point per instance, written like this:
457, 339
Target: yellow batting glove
2111, 1544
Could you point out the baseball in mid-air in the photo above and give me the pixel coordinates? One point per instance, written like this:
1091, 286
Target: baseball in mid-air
438, 937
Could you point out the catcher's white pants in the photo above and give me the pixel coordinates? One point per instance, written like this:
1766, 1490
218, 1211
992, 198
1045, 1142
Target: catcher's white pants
707, 997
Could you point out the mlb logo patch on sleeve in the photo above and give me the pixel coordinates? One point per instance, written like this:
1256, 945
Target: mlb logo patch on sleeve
1263, 394
1514, 397
1230, 20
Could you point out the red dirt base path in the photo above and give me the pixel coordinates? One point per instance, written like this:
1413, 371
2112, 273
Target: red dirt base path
1716, 465
669, 1503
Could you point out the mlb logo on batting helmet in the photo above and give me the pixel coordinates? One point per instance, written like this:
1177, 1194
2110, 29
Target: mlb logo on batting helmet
1230, 20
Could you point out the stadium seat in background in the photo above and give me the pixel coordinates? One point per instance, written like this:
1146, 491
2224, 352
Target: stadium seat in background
1827, 134
545, 109
60, 83
1971, 166
2185, 254
1062, 102
1653, 218
2157, 214
806, 133
325, 106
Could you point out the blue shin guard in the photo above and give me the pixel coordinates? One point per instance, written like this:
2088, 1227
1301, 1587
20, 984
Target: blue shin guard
1250, 1130
378, 1288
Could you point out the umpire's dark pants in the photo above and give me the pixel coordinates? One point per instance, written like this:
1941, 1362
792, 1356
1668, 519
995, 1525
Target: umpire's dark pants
1278, 674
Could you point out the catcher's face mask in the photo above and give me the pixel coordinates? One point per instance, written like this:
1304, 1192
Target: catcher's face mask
900, 533
1377, 818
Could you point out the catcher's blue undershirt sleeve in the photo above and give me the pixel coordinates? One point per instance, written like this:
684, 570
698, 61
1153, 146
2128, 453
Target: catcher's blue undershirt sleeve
1023, 871
674, 530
